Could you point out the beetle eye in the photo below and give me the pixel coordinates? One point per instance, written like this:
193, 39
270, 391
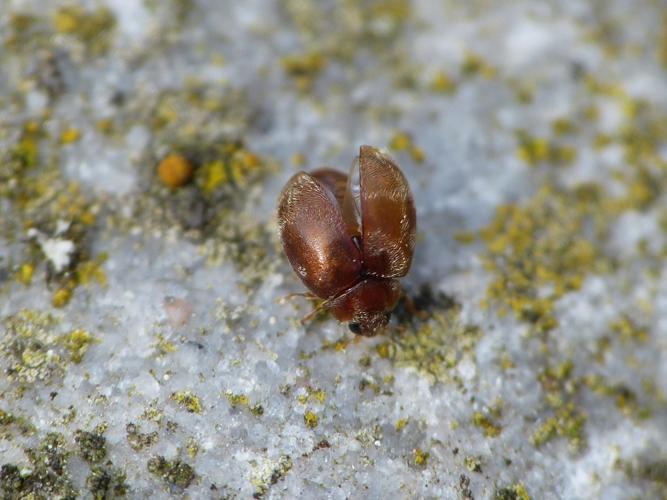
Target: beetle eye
387, 317
354, 328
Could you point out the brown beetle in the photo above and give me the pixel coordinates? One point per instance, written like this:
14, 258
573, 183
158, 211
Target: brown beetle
350, 237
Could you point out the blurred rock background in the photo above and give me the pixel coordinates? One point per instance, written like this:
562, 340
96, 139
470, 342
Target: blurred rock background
144, 345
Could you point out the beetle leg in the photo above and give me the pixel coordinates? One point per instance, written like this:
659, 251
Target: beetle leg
316, 310
409, 305
291, 296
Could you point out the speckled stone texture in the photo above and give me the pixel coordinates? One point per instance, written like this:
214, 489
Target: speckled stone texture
146, 345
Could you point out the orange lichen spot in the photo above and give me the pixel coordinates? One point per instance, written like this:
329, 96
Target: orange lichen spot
175, 170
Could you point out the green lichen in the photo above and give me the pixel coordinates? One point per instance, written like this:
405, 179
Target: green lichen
487, 425
402, 141
188, 401
625, 399
41, 199
270, 474
173, 472
537, 150
11, 424
236, 400
628, 330
568, 422
400, 424
152, 413
241, 400
163, 346
92, 446
311, 394
662, 43
36, 351
216, 210
304, 69
654, 471
474, 64
192, 447
473, 464
105, 483
539, 251
431, 339
340, 32
557, 383
139, 440
442, 82
368, 437
94, 29
77, 342
257, 410
22, 29
561, 389
6, 418
515, 492
46, 477
30, 348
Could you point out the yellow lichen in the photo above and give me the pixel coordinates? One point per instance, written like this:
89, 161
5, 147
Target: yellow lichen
237, 399
443, 83
465, 237
537, 150
70, 135
319, 395
311, 419
662, 42
431, 339
61, 297
25, 273
92, 28
568, 423
163, 346
304, 68
486, 424
420, 457
402, 141
473, 64
90, 270
539, 251
628, 330
563, 126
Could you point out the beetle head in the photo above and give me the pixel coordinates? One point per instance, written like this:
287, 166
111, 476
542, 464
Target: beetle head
367, 306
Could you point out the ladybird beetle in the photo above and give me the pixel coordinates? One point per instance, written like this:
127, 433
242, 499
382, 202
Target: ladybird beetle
349, 237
